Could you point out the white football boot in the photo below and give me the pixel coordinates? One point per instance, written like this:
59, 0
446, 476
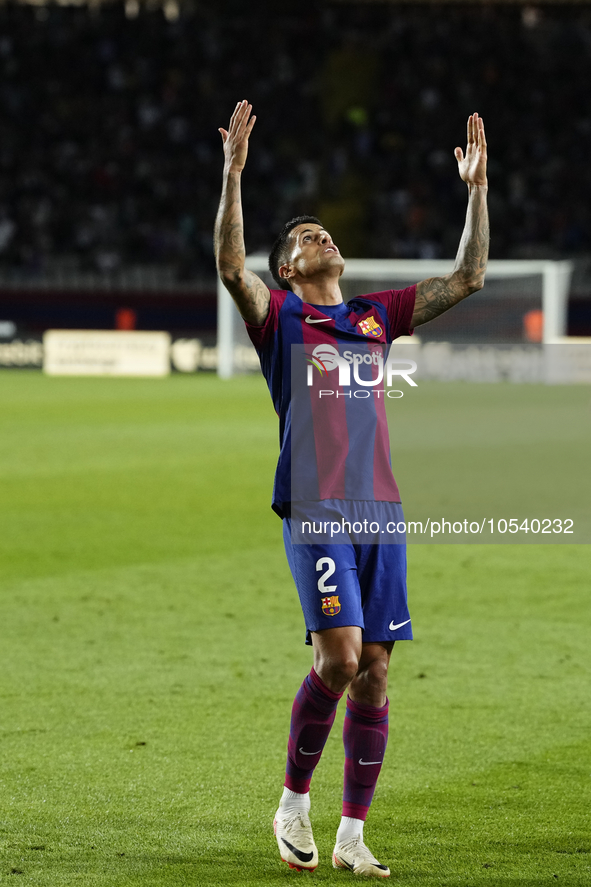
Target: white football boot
355, 856
295, 841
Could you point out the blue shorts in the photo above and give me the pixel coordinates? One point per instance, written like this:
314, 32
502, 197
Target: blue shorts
349, 583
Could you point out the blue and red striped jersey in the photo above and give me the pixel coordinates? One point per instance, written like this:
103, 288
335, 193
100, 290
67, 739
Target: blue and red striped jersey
333, 437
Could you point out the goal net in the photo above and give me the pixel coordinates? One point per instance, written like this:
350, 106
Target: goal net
522, 302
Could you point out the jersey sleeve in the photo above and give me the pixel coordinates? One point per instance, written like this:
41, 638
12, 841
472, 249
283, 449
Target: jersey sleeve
262, 336
399, 305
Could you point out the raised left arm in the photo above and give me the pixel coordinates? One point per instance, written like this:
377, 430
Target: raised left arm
437, 294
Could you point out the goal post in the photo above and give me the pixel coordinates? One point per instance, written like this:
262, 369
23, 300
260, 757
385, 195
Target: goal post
512, 288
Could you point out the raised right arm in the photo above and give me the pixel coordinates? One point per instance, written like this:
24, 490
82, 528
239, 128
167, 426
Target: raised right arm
249, 292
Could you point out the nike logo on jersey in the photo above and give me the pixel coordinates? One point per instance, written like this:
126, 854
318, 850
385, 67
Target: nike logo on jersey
393, 627
302, 752
299, 854
310, 319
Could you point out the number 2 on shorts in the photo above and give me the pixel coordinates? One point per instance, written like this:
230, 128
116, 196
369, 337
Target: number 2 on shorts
330, 568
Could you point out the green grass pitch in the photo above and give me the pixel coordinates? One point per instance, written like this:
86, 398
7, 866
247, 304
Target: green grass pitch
151, 643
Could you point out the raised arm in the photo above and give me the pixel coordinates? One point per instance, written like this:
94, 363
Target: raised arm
248, 291
437, 294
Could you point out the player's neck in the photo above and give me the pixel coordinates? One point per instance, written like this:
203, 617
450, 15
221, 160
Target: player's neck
319, 292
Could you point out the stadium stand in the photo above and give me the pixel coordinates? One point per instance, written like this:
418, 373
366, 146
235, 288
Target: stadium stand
110, 158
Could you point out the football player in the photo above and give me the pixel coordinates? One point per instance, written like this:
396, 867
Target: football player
334, 469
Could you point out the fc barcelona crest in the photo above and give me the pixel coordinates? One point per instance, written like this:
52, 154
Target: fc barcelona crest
331, 605
369, 327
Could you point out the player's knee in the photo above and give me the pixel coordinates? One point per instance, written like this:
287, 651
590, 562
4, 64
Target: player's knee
337, 671
374, 677
347, 666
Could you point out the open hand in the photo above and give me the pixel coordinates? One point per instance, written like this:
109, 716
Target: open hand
235, 138
472, 167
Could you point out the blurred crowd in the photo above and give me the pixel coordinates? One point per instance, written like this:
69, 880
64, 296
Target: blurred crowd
110, 154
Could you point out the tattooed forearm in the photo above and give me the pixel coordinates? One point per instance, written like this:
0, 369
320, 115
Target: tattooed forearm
438, 294
472, 254
228, 233
249, 292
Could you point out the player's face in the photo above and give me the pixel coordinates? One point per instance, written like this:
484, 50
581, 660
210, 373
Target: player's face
313, 251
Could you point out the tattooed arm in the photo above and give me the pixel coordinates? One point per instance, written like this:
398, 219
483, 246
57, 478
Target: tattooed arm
436, 295
248, 291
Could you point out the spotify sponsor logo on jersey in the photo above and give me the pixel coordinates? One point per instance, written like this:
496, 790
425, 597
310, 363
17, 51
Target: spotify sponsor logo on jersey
326, 358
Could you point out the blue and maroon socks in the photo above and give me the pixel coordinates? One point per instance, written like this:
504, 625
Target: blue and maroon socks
365, 736
312, 716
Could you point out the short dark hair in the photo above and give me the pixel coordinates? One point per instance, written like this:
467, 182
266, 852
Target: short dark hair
280, 253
